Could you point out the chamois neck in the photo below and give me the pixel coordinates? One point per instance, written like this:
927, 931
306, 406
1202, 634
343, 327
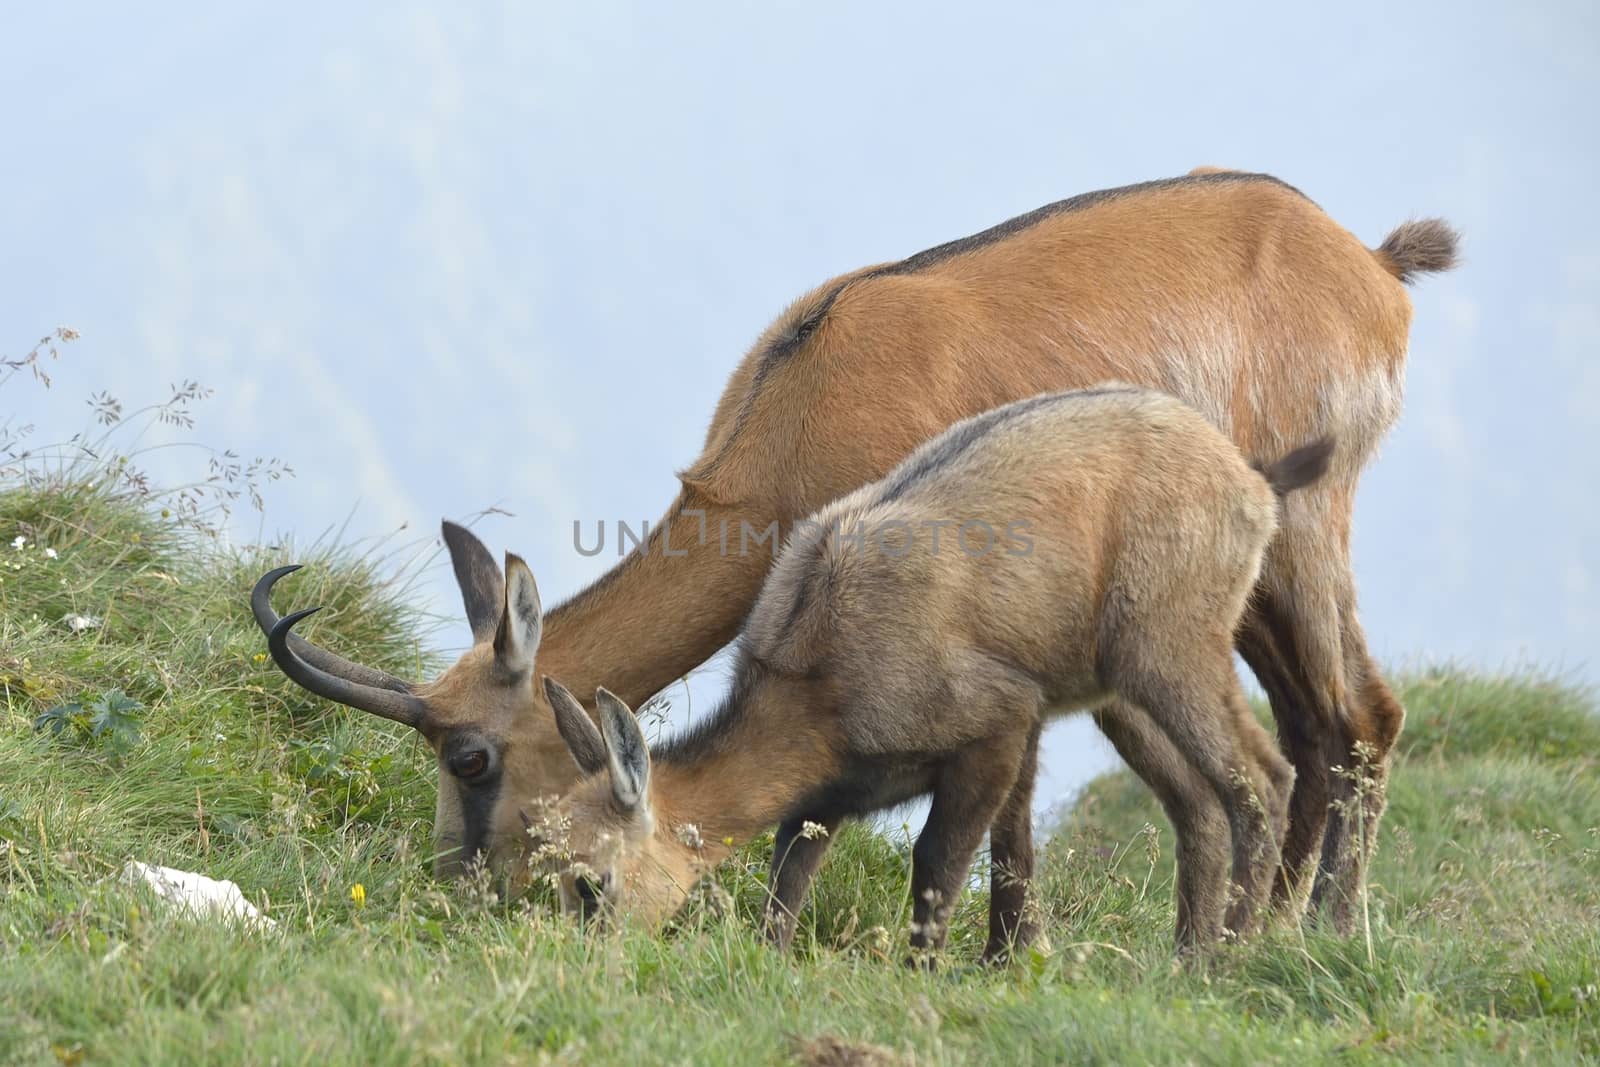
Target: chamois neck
667, 607
746, 767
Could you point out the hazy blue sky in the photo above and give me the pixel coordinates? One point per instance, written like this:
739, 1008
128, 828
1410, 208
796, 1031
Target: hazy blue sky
444, 259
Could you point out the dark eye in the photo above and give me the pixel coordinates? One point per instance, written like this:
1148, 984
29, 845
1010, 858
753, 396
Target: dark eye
591, 895
588, 889
804, 330
470, 764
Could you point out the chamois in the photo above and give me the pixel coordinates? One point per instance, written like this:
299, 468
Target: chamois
1232, 291
1097, 545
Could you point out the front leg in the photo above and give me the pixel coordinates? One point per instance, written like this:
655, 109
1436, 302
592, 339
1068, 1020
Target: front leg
1011, 863
797, 852
968, 793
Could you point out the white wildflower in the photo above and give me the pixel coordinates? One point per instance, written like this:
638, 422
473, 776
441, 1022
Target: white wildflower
49, 553
689, 834
79, 623
18, 542
811, 831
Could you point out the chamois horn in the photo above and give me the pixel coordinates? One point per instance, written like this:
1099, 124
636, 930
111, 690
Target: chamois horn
326, 674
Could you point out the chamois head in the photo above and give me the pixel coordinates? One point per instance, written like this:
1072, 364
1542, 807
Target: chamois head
482, 717
618, 859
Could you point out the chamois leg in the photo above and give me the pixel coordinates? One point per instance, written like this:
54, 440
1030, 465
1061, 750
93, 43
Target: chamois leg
1011, 927
1271, 776
1362, 784
1265, 641
796, 856
1197, 706
1333, 709
968, 793
1198, 822
1277, 771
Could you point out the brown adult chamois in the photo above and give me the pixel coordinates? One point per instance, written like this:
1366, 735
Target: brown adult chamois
1096, 545
1231, 291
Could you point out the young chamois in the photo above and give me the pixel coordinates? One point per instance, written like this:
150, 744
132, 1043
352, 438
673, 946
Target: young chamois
1233, 292
1049, 555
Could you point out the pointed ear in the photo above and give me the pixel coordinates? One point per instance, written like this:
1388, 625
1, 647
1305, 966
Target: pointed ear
516, 640
482, 589
626, 752
577, 729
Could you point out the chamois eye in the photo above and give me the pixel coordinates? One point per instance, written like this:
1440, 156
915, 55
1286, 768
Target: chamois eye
588, 889
470, 764
804, 330
591, 895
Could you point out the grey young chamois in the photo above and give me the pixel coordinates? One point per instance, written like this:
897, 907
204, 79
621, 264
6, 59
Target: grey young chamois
1087, 549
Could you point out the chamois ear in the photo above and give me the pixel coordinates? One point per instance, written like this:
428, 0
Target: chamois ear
577, 729
626, 751
482, 588
516, 640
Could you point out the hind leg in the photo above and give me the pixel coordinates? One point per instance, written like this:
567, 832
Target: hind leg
1011, 862
1265, 641
1271, 777
1302, 640
1196, 701
1363, 749
1199, 824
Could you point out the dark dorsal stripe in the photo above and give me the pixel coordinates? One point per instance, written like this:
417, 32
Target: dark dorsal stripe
711, 732
963, 438
932, 257
791, 342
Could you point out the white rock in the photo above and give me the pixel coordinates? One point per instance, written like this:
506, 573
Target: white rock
196, 895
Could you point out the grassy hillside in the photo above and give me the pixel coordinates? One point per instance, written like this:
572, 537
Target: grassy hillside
157, 730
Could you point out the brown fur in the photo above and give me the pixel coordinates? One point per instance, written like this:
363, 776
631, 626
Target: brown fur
876, 666
1231, 291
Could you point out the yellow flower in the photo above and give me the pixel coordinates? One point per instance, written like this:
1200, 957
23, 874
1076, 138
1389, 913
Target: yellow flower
358, 895
728, 841
259, 658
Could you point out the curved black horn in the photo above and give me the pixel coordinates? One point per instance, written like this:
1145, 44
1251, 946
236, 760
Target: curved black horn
323, 660
405, 707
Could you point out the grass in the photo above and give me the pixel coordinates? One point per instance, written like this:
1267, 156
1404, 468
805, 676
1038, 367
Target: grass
158, 731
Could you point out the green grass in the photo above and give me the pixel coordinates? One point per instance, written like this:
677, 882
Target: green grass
1485, 899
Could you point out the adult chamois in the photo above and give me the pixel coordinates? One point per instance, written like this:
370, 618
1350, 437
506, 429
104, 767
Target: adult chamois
1231, 291
1096, 545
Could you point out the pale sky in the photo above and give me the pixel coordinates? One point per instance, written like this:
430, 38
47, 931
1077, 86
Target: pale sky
441, 260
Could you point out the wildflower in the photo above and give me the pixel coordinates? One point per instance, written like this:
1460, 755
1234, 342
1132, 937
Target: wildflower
811, 831
689, 834
49, 553
19, 542
728, 840
358, 895
259, 658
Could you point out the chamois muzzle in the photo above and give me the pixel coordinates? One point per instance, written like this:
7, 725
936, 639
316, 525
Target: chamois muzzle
326, 674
